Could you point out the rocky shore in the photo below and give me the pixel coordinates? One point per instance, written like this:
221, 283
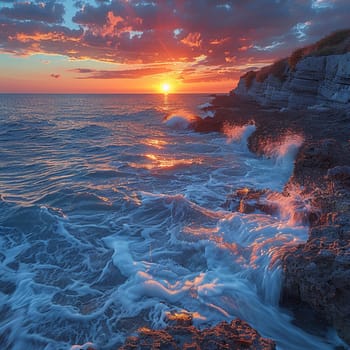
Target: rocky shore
316, 273
307, 94
182, 335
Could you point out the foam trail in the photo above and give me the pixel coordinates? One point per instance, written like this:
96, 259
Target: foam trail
229, 272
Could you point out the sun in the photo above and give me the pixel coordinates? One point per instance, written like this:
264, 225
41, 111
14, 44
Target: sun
165, 88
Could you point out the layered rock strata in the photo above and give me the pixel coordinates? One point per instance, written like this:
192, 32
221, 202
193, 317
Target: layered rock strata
317, 82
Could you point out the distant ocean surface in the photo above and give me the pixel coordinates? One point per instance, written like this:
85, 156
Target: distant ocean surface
112, 215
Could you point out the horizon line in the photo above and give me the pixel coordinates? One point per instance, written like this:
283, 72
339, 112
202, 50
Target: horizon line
111, 93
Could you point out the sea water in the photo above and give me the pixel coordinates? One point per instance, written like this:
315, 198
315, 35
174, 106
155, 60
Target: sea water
112, 215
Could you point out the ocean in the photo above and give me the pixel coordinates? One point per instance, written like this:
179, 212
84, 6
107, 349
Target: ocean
112, 215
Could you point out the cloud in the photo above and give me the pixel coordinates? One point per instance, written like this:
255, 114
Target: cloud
56, 76
119, 74
49, 11
208, 33
27, 37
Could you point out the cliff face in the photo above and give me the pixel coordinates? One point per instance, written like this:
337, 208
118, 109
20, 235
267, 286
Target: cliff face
317, 82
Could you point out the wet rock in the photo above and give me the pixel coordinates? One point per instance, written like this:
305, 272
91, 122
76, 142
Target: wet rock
318, 273
340, 174
317, 154
182, 335
86, 346
246, 200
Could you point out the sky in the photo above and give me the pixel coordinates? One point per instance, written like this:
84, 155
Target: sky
135, 46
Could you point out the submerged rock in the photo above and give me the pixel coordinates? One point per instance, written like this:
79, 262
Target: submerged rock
246, 200
182, 335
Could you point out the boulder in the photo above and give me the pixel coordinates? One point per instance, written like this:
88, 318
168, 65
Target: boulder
246, 200
182, 335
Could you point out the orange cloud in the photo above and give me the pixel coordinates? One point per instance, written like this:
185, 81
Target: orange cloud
219, 41
245, 48
192, 40
51, 36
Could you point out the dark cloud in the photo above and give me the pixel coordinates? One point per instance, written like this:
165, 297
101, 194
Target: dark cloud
26, 37
223, 35
83, 70
119, 74
55, 76
226, 32
45, 11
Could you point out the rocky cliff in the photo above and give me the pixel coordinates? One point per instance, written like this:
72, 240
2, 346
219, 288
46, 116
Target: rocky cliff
316, 82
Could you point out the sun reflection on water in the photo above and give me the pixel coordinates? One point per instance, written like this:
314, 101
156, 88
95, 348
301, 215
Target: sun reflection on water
156, 143
165, 162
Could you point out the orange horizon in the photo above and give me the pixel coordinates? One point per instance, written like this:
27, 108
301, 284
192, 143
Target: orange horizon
119, 46
43, 83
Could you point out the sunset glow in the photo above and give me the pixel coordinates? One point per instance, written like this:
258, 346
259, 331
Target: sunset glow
165, 88
133, 46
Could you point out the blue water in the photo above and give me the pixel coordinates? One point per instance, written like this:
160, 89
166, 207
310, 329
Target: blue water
112, 215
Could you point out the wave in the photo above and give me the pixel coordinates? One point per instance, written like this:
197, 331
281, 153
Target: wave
295, 209
91, 130
180, 121
205, 105
216, 265
285, 149
239, 134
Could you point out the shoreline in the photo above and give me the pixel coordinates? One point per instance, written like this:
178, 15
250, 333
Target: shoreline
316, 274
321, 169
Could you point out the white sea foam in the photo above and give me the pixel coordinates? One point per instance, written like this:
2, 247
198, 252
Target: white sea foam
180, 121
214, 264
103, 235
207, 114
205, 105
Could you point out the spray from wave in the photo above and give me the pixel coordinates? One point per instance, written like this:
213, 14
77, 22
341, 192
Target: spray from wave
238, 133
181, 120
206, 110
285, 149
295, 209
